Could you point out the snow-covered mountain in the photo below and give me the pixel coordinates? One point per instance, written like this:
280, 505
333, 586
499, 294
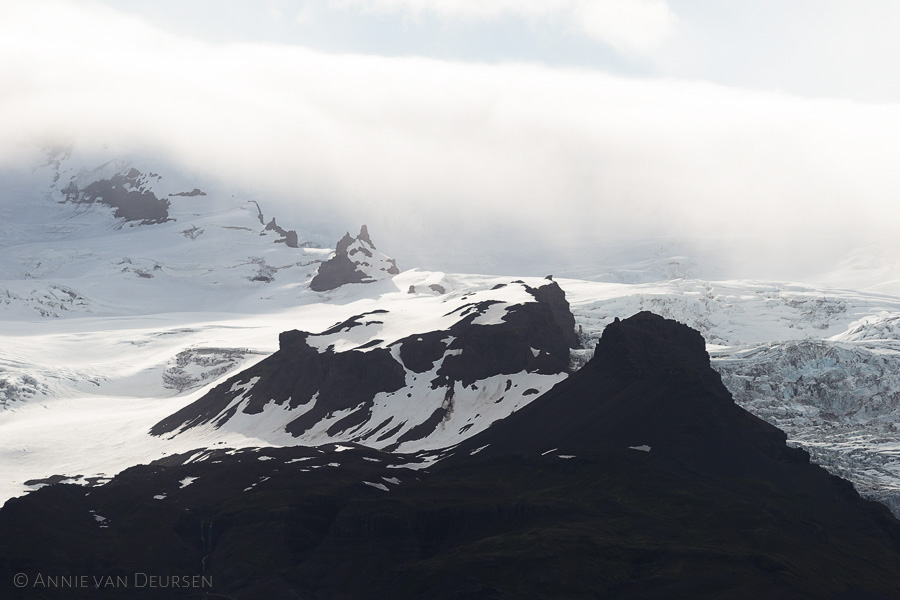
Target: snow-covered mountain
134, 297
121, 238
424, 374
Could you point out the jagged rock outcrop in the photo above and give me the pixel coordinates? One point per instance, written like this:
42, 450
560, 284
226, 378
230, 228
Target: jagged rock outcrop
126, 193
489, 354
289, 236
191, 194
355, 260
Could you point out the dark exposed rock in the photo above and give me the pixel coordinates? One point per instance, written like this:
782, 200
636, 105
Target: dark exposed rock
289, 235
354, 321
195, 367
547, 325
337, 271
265, 273
125, 193
259, 213
191, 194
364, 236
420, 352
354, 261
194, 232
52, 480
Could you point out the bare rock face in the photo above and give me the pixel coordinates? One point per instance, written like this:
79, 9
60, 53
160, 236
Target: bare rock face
355, 260
289, 236
126, 193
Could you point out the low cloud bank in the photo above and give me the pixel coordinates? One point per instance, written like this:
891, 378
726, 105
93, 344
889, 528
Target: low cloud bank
451, 154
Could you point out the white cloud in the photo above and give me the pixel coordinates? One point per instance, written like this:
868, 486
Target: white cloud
824, 48
629, 26
445, 152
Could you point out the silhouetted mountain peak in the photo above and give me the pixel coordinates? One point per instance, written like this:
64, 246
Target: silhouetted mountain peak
650, 384
649, 344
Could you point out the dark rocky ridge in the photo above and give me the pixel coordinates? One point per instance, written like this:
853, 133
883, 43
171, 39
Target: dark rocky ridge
345, 267
126, 193
719, 508
289, 236
194, 192
298, 372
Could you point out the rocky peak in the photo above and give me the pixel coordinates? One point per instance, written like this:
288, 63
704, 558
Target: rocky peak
126, 192
355, 260
364, 236
645, 389
289, 236
648, 344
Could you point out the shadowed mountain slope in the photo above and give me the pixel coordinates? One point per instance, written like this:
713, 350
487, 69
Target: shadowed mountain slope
636, 477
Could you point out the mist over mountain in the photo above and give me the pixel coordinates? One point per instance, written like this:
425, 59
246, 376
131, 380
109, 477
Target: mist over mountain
630, 328
534, 169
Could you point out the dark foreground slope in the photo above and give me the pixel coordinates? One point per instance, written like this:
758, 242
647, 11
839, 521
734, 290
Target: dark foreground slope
637, 477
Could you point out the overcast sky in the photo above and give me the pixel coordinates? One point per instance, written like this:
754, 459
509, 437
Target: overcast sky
774, 120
